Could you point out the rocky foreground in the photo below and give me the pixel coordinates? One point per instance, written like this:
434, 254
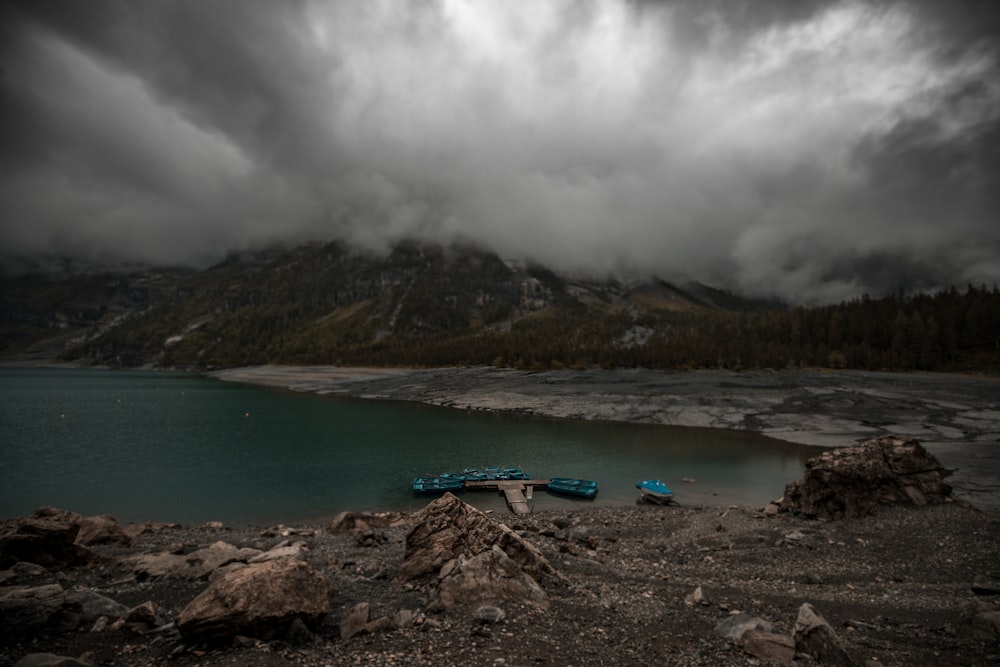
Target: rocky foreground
866, 561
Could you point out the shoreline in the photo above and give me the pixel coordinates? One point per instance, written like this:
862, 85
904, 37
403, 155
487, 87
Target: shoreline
956, 417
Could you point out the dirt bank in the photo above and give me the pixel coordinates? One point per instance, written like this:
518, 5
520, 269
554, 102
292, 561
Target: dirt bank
956, 417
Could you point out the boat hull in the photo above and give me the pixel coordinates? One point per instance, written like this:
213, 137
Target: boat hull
580, 488
655, 491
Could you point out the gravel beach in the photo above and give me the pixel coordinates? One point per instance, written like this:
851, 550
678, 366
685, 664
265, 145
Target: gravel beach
897, 588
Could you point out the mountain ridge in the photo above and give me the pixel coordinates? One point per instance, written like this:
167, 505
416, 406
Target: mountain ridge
426, 304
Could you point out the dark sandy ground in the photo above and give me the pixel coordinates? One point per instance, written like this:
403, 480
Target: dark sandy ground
956, 417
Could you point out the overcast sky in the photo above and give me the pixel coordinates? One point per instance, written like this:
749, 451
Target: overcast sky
813, 150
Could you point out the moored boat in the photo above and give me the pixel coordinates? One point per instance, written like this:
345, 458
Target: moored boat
655, 491
581, 488
436, 485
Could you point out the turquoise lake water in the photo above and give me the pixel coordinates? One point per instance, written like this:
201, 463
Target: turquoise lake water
162, 446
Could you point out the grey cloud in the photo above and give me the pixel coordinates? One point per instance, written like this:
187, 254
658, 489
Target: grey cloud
810, 150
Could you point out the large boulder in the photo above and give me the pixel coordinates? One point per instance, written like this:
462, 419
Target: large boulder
448, 528
852, 481
490, 576
99, 529
27, 610
198, 564
45, 542
261, 600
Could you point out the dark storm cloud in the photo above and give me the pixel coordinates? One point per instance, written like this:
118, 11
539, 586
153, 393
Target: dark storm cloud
814, 150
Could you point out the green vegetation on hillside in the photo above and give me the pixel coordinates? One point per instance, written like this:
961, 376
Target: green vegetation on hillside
430, 305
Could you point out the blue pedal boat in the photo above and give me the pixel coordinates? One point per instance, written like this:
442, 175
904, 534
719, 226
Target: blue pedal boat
581, 488
428, 485
655, 491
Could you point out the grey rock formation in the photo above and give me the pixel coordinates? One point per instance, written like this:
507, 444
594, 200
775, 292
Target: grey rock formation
198, 564
260, 600
852, 481
47, 542
99, 529
447, 528
488, 577
27, 610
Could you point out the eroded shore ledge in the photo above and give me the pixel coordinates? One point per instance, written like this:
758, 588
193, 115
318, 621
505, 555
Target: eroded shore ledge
956, 417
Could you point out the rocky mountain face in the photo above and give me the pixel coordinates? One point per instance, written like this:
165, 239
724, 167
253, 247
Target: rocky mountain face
327, 304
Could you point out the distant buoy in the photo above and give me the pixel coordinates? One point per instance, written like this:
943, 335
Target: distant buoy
62, 416
248, 414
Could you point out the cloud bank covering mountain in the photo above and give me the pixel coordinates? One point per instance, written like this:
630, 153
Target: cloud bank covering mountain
810, 150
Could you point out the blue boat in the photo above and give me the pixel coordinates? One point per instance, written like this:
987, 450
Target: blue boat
655, 491
429, 485
581, 488
513, 472
474, 475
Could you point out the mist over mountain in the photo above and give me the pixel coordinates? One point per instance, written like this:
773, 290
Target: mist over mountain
810, 151
437, 305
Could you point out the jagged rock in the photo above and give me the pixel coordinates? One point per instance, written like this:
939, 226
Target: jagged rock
980, 621
49, 660
852, 481
195, 565
260, 600
448, 527
770, 647
814, 637
94, 605
489, 576
27, 610
46, 542
298, 551
355, 620
734, 626
346, 522
145, 614
99, 529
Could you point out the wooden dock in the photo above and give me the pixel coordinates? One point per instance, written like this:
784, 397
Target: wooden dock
514, 490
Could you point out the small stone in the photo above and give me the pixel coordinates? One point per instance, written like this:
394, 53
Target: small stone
298, 634
814, 637
697, 597
355, 620
403, 618
144, 614
737, 624
489, 614
773, 649
986, 585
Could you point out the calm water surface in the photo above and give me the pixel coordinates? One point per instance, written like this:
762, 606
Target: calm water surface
177, 447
